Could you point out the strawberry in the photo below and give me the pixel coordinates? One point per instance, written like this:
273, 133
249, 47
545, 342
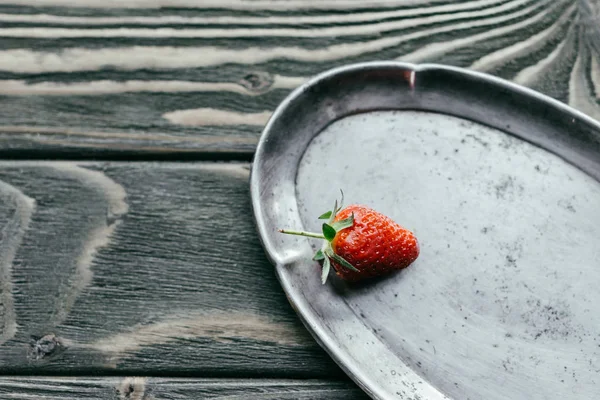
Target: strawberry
362, 243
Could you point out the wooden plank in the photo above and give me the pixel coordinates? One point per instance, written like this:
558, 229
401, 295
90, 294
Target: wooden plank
200, 82
142, 388
141, 268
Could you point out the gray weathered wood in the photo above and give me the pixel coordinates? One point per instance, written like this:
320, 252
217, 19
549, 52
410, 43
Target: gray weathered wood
142, 388
155, 269
77, 80
145, 268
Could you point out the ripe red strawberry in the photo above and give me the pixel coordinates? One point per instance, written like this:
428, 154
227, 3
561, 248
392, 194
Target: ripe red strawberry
362, 243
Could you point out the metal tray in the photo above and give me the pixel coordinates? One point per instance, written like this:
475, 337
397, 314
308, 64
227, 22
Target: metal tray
501, 186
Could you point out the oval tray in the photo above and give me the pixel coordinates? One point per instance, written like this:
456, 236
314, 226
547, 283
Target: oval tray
500, 185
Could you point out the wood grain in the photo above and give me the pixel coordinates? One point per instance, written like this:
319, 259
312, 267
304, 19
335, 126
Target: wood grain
142, 268
199, 80
155, 269
142, 388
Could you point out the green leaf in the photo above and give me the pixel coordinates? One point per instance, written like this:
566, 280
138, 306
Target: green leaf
319, 255
328, 232
341, 261
325, 270
326, 215
342, 199
343, 224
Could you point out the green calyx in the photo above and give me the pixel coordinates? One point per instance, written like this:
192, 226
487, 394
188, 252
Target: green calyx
329, 231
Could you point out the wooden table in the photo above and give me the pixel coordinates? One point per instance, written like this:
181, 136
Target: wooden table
129, 263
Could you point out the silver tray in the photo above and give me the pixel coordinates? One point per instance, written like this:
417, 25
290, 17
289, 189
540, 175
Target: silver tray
500, 185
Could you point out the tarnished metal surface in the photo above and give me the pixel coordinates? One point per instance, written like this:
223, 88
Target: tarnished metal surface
499, 183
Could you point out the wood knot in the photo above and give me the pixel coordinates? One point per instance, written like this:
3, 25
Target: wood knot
133, 389
257, 82
46, 346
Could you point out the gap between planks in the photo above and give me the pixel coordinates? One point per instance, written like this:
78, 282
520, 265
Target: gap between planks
152, 388
137, 154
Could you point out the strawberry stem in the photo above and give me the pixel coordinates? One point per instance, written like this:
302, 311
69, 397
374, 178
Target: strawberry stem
330, 230
301, 233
